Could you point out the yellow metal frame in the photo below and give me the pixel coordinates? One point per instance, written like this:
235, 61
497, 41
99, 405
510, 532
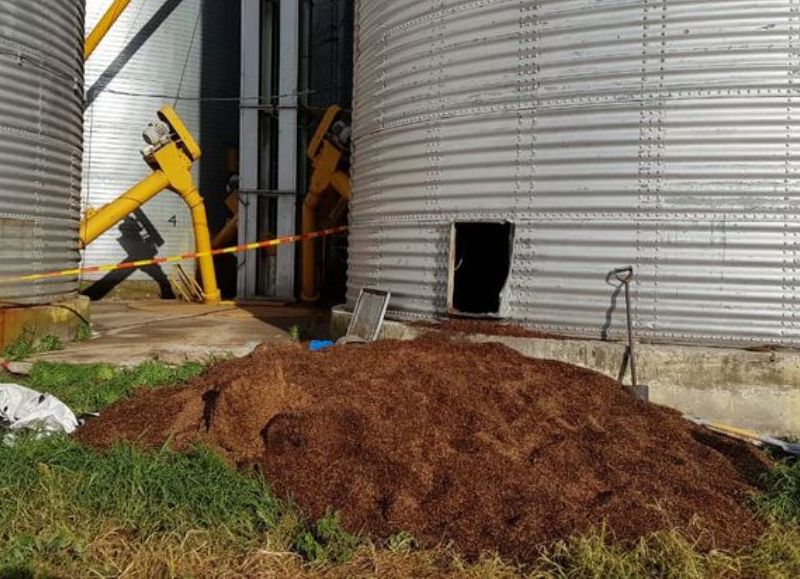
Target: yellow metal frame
172, 165
327, 177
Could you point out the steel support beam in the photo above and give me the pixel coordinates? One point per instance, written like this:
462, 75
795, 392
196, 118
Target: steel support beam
249, 145
256, 145
288, 142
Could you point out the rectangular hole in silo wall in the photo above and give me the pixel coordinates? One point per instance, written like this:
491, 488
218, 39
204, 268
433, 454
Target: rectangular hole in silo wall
480, 265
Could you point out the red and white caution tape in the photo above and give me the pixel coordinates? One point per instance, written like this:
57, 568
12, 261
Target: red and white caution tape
177, 258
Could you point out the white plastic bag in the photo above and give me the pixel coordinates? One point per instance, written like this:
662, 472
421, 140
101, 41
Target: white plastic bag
25, 409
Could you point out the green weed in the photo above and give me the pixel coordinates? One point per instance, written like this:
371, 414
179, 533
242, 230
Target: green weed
66, 510
54, 493
146, 492
327, 542
28, 345
83, 333
294, 333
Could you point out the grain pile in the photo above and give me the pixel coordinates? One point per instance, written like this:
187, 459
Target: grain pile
452, 441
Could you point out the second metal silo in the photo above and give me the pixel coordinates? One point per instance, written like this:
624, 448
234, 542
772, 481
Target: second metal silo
652, 133
41, 96
178, 52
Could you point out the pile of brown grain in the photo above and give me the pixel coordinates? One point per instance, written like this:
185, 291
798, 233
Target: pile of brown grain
450, 441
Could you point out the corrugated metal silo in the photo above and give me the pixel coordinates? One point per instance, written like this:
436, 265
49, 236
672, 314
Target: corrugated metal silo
656, 133
178, 52
41, 96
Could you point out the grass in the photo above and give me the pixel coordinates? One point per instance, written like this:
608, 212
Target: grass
69, 511
781, 502
59, 501
90, 388
326, 541
28, 345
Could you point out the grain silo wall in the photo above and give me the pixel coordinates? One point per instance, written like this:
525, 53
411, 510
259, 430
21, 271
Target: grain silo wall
183, 53
658, 134
41, 96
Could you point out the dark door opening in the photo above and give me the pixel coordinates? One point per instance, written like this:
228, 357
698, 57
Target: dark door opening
480, 265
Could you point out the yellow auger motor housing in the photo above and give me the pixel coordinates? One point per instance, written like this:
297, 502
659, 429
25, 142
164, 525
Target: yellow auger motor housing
171, 151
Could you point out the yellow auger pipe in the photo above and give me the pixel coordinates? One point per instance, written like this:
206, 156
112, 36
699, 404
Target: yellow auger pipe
171, 154
96, 223
101, 29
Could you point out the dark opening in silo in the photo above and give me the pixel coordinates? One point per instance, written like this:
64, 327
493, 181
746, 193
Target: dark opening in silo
480, 262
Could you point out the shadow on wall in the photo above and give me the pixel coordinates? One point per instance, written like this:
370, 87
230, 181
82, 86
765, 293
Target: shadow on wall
140, 240
132, 48
611, 280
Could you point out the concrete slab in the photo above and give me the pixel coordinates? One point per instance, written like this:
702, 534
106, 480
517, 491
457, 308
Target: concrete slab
127, 334
754, 390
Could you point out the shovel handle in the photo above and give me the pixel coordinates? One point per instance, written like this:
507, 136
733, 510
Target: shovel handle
624, 274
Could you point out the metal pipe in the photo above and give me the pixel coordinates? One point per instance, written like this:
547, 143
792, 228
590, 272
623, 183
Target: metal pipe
255, 16
309, 291
96, 223
101, 29
202, 238
288, 72
177, 166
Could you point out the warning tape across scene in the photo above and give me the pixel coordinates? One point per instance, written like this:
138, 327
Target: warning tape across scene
177, 258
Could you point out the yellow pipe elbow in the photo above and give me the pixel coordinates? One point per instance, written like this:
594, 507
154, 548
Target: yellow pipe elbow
179, 180
341, 182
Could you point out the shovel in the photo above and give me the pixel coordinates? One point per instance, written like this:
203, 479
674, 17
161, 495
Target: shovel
625, 276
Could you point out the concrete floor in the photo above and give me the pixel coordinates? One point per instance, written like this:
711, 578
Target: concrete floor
127, 334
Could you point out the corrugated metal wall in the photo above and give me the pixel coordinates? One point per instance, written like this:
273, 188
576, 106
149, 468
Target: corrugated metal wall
41, 95
658, 133
178, 52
